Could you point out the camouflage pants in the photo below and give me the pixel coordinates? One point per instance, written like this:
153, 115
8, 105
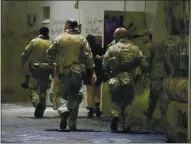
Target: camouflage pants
67, 95
157, 94
38, 85
121, 98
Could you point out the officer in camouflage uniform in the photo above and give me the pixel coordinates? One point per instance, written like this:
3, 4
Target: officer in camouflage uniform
159, 66
119, 64
35, 54
71, 52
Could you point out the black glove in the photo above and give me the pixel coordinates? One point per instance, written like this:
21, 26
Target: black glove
25, 82
80, 96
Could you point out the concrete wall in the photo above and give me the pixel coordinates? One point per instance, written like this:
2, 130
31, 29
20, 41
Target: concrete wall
15, 35
60, 11
156, 20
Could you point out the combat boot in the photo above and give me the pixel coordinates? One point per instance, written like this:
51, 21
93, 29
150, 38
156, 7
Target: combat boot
64, 118
40, 108
90, 113
38, 112
114, 124
97, 109
72, 120
126, 126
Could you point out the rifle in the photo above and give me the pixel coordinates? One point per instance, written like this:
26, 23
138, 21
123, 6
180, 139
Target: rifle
130, 30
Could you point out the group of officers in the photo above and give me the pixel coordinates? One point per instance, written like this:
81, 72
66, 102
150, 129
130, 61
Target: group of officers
71, 54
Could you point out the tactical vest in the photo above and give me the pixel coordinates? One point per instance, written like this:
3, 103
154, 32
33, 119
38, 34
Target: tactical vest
70, 52
125, 58
39, 47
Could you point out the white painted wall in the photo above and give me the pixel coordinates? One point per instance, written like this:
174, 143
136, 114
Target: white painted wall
60, 11
90, 14
93, 11
156, 20
135, 6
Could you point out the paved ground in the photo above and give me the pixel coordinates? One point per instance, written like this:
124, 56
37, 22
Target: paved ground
20, 126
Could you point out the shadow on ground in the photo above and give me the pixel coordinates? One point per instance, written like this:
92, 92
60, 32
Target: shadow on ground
79, 130
105, 118
120, 131
32, 117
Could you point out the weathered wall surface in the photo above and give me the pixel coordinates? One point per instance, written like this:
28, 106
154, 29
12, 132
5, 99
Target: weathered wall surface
16, 33
156, 20
60, 11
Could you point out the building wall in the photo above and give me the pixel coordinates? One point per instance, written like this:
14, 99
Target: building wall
60, 11
15, 35
156, 20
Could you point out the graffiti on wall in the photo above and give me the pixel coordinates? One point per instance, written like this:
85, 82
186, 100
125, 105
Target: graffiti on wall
93, 25
57, 26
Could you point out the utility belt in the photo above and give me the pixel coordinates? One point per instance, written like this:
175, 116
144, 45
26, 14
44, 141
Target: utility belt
38, 65
73, 68
40, 69
74, 72
120, 70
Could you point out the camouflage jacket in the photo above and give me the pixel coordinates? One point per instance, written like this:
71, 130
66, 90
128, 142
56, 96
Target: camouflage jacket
35, 51
120, 61
70, 50
159, 61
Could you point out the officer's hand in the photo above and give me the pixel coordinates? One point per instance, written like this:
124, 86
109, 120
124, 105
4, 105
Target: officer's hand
97, 57
94, 78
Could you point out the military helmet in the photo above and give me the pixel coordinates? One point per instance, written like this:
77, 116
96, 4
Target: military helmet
73, 24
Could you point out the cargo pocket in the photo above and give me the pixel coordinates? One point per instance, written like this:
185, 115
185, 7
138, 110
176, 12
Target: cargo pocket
76, 74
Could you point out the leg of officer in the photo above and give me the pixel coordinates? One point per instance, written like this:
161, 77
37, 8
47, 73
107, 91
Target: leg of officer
96, 99
155, 92
62, 99
128, 97
33, 91
73, 105
116, 106
44, 84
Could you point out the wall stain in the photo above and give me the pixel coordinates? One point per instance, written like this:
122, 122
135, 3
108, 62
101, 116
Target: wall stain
94, 25
57, 26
